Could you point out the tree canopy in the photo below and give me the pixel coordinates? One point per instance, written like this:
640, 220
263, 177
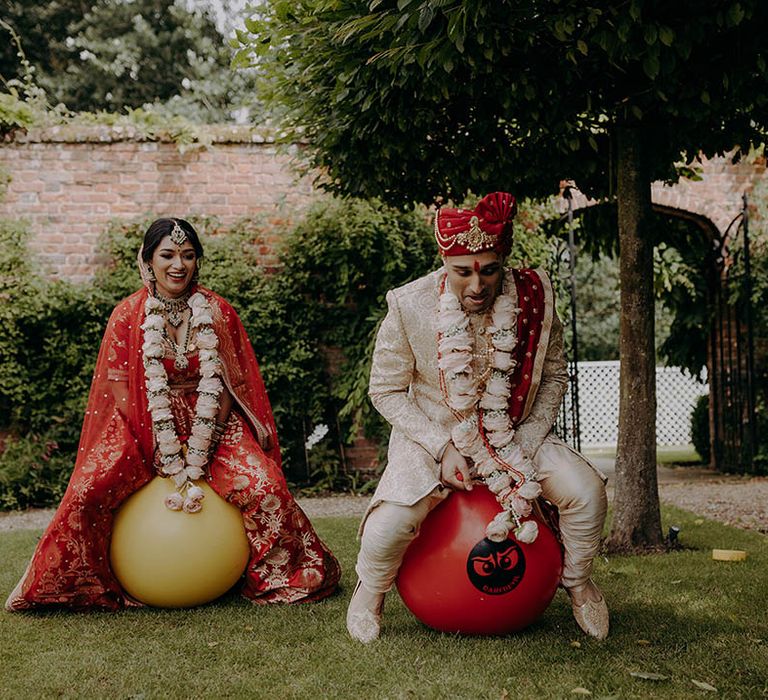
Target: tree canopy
417, 98
110, 54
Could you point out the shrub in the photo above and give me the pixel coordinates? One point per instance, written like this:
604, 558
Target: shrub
312, 323
33, 472
49, 338
324, 302
700, 428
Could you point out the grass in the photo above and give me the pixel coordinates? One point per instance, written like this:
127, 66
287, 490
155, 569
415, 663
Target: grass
665, 454
680, 615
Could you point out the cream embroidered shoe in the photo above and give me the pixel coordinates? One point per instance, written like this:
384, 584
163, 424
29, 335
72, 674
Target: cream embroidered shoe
364, 614
592, 616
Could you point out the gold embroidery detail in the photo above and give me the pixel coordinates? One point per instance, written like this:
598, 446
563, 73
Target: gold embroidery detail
475, 238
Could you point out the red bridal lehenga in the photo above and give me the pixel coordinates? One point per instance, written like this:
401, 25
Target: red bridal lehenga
70, 567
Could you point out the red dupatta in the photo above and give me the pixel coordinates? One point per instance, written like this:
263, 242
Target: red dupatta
534, 299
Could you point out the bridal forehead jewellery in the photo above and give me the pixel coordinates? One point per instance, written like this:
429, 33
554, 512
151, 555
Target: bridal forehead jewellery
178, 235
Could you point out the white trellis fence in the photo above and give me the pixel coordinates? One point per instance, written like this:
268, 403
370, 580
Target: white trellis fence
676, 395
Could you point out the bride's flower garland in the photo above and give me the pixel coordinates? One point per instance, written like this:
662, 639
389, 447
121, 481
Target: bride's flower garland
183, 464
486, 435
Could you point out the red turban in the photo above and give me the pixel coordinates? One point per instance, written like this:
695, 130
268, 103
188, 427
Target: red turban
486, 227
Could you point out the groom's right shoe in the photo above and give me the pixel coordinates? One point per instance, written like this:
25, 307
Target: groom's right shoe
364, 614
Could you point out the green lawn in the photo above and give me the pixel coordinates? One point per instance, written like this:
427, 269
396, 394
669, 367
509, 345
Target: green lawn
665, 454
682, 616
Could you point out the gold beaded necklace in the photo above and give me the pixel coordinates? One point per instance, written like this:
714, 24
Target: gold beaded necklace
174, 308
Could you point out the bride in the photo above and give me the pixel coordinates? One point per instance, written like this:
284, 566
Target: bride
176, 392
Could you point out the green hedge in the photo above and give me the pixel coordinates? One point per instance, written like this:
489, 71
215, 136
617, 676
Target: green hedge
324, 301
700, 428
312, 322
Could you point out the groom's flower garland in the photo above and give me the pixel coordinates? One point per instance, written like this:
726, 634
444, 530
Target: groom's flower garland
183, 464
486, 435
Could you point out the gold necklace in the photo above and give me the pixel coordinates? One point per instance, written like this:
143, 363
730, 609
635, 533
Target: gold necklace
483, 358
180, 360
174, 308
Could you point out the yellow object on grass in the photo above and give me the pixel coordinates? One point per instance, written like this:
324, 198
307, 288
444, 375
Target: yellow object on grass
729, 555
172, 559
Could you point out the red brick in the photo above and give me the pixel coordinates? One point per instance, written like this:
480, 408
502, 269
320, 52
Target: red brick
72, 190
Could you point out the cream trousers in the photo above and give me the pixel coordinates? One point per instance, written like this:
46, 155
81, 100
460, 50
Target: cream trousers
567, 480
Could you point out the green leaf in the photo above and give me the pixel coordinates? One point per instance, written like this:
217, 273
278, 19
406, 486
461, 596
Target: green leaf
650, 34
253, 25
401, 22
240, 59
666, 35
705, 97
683, 49
426, 15
651, 66
582, 46
735, 14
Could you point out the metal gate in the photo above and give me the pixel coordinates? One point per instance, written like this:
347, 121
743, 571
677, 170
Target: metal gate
733, 420
567, 423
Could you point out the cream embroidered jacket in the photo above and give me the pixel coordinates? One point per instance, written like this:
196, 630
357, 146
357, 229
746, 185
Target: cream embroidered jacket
405, 388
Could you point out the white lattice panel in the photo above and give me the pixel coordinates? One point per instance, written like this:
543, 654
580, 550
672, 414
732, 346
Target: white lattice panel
676, 395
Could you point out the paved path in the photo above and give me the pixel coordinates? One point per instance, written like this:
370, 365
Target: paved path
741, 501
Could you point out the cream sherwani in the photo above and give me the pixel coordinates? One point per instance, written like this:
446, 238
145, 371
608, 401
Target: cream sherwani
405, 389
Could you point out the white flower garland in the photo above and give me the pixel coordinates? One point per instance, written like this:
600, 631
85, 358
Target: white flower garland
486, 435
183, 464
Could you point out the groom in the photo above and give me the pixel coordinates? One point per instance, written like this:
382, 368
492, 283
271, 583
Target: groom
468, 369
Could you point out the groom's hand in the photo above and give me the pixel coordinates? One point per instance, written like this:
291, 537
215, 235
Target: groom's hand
454, 471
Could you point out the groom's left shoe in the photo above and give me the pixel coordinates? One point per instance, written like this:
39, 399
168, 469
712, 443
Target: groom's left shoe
592, 616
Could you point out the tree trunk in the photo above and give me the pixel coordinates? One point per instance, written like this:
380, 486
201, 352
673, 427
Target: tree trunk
636, 517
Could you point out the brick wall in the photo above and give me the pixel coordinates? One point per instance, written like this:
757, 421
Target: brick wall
717, 196
713, 201
69, 182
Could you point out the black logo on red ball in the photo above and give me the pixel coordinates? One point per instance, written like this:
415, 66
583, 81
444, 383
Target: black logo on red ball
496, 567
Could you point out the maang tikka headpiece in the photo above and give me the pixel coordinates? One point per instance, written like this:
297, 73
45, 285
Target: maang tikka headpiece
178, 235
